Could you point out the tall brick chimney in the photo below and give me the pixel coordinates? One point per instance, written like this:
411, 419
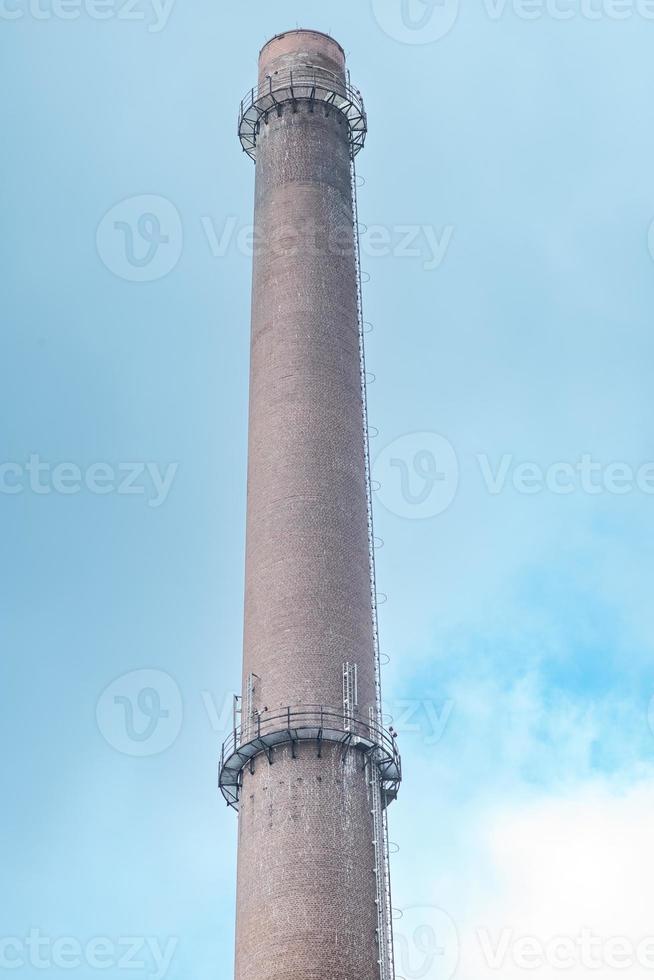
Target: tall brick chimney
308, 765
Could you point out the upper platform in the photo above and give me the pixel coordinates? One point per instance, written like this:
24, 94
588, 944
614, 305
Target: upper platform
302, 66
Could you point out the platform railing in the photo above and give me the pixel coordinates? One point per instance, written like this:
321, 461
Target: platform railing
302, 80
309, 717
307, 83
297, 724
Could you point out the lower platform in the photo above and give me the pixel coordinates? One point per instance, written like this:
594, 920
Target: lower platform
307, 723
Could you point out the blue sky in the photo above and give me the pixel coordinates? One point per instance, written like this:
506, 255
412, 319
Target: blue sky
508, 172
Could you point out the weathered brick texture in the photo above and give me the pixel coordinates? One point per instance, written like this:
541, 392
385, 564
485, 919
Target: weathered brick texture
306, 888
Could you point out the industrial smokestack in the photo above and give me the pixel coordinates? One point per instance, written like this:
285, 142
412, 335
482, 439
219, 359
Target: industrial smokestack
308, 765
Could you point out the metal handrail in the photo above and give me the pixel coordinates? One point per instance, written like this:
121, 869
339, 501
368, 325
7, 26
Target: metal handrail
316, 85
327, 80
309, 716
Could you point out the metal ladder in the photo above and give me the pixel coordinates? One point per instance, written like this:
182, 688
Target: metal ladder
247, 714
379, 816
366, 444
383, 878
350, 693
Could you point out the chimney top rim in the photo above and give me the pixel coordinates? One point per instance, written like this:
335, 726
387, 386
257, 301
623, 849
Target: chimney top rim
303, 30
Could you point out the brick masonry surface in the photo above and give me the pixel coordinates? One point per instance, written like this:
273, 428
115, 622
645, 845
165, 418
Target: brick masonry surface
306, 888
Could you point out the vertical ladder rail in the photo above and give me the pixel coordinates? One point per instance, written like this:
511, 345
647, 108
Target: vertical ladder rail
248, 714
387, 890
237, 717
379, 816
383, 881
366, 441
350, 694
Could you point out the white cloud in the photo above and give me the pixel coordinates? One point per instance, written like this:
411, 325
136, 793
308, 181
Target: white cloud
559, 887
529, 820
584, 861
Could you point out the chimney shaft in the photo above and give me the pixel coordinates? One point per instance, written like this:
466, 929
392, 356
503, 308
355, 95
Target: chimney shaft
306, 765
